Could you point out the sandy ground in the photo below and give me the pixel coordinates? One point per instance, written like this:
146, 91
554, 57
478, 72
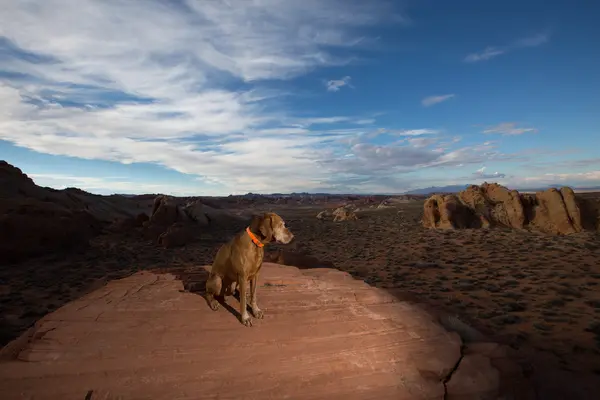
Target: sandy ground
520, 287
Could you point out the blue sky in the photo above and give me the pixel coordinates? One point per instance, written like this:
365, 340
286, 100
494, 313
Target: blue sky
196, 97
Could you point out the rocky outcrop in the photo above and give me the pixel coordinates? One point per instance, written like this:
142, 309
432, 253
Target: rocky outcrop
344, 214
34, 221
491, 205
175, 222
167, 223
178, 234
325, 335
557, 212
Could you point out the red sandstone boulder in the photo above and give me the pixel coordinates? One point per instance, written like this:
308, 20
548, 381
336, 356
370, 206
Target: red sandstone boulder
493, 205
344, 214
557, 212
325, 335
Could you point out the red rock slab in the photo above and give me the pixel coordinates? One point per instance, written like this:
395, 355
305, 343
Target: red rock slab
325, 335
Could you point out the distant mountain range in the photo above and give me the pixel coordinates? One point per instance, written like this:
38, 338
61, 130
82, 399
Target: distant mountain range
439, 189
458, 188
416, 192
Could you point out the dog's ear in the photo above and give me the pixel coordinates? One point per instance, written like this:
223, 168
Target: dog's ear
256, 222
266, 227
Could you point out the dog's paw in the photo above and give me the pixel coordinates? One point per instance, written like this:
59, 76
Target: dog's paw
246, 320
258, 313
214, 305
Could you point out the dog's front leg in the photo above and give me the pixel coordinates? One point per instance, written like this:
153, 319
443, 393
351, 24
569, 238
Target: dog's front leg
242, 287
253, 304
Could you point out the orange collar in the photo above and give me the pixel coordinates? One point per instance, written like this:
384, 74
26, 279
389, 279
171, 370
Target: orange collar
254, 238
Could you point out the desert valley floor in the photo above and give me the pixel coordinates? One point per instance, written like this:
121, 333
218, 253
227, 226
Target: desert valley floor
521, 288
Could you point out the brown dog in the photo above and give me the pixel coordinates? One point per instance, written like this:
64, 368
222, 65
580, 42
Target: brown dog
239, 260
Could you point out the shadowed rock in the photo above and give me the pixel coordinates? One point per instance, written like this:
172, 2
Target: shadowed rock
299, 260
35, 220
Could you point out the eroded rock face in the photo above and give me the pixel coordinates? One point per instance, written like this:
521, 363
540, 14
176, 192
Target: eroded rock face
557, 212
325, 335
344, 214
178, 234
174, 223
36, 221
447, 212
492, 205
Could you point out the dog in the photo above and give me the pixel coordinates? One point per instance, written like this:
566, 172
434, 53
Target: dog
238, 262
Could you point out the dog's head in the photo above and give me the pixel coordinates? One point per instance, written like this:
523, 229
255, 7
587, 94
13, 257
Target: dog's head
272, 227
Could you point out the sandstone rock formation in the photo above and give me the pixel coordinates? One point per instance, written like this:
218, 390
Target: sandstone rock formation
35, 220
324, 215
175, 222
324, 336
344, 214
492, 205
178, 234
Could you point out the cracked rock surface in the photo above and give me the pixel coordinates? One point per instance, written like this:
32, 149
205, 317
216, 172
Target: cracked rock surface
325, 335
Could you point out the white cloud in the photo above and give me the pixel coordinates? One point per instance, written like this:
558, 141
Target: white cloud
422, 142
533, 41
480, 173
153, 82
415, 132
431, 100
335, 84
492, 51
590, 177
508, 128
487, 54
110, 185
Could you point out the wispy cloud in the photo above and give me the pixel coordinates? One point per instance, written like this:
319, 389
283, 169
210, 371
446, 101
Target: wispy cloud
108, 185
487, 54
154, 85
183, 85
494, 51
533, 41
431, 100
335, 84
415, 132
508, 128
573, 179
480, 174
419, 142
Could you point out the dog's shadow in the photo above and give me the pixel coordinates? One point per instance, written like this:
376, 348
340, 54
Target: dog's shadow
195, 282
